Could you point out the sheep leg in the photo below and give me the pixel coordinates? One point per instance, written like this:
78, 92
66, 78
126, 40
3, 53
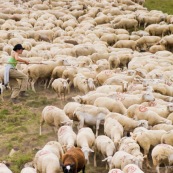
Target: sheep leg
32, 85
50, 82
95, 161
157, 169
83, 169
46, 83
81, 122
97, 127
41, 124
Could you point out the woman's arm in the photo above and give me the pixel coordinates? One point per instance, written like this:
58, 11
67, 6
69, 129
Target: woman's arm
20, 59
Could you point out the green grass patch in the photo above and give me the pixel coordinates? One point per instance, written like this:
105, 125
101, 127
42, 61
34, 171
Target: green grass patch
163, 5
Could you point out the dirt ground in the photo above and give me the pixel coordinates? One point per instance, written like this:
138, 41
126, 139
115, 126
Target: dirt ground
19, 130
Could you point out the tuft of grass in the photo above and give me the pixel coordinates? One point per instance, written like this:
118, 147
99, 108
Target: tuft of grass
163, 5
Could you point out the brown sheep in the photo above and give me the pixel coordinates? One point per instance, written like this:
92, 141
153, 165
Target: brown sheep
73, 161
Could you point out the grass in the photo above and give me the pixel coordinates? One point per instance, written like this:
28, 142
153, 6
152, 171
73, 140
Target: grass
163, 5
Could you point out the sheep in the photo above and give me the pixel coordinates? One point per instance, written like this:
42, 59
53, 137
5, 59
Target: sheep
148, 139
37, 71
89, 98
146, 41
110, 104
160, 154
143, 113
28, 170
4, 168
73, 161
163, 126
120, 159
66, 137
45, 161
56, 73
126, 23
127, 123
167, 138
130, 146
54, 117
61, 87
116, 131
54, 147
115, 171
69, 108
85, 140
91, 115
132, 168
126, 44
81, 83
106, 147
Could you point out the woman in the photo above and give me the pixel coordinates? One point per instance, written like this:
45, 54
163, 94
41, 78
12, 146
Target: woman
11, 74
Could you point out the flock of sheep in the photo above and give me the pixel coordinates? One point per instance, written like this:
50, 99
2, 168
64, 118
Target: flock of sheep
123, 73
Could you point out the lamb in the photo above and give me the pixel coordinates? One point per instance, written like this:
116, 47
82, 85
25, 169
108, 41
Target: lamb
127, 123
91, 115
54, 117
4, 168
113, 129
111, 104
142, 113
85, 140
61, 87
28, 170
160, 154
73, 161
148, 139
66, 137
106, 147
132, 168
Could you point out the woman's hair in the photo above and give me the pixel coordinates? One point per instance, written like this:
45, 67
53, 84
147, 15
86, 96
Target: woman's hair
18, 47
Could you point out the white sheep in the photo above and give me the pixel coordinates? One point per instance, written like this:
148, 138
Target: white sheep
111, 104
85, 140
66, 137
69, 109
132, 168
113, 129
61, 87
149, 138
54, 117
160, 154
91, 115
140, 112
120, 159
106, 147
28, 170
127, 123
4, 168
